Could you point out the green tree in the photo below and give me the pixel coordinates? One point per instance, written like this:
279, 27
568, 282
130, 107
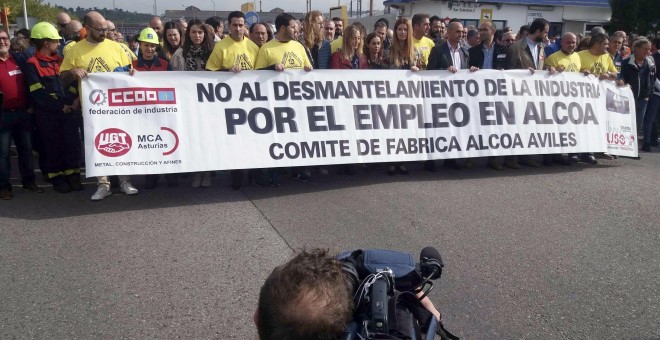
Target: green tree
635, 16
35, 8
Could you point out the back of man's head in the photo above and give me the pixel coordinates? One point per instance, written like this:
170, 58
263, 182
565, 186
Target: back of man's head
305, 299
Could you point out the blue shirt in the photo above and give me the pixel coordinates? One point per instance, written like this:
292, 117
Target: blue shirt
488, 56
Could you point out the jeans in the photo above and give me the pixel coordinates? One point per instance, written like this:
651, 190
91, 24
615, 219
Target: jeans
16, 124
640, 107
649, 118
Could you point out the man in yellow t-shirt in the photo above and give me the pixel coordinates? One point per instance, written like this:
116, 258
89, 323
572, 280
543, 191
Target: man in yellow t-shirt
92, 55
565, 60
596, 60
234, 52
284, 52
335, 45
421, 44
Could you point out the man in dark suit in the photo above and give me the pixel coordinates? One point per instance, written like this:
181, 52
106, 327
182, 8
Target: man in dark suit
452, 57
489, 55
528, 54
496, 53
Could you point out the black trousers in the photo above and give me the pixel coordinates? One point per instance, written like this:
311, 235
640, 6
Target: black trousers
60, 140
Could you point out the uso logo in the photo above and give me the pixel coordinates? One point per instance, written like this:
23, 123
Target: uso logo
141, 96
113, 142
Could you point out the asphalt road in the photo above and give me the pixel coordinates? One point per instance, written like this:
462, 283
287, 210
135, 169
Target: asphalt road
550, 253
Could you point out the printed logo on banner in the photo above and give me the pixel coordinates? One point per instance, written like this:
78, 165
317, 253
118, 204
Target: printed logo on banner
131, 96
168, 143
617, 103
97, 97
113, 142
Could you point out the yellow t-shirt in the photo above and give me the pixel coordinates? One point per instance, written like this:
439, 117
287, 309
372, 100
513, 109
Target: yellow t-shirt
422, 49
559, 59
335, 45
229, 52
291, 54
67, 47
128, 51
596, 64
94, 58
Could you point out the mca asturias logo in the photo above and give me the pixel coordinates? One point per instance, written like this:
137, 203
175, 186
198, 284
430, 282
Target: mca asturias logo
113, 142
98, 97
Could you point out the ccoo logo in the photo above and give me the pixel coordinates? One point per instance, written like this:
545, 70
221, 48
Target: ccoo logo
98, 97
113, 142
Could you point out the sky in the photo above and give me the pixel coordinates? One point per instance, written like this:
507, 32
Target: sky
147, 6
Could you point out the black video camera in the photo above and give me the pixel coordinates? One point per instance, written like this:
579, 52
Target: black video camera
387, 288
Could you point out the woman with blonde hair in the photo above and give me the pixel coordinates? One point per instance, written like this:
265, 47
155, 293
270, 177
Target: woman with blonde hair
312, 39
350, 55
402, 53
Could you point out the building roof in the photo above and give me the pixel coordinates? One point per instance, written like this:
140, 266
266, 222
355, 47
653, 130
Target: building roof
578, 3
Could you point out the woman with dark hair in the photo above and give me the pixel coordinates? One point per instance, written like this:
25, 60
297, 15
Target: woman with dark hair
196, 49
374, 52
192, 56
312, 39
173, 39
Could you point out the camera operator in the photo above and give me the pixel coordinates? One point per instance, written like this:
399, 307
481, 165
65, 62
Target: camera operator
309, 298
305, 298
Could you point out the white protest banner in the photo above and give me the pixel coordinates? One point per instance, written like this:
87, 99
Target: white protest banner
620, 126
164, 122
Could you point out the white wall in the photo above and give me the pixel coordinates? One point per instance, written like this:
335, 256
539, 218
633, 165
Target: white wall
515, 15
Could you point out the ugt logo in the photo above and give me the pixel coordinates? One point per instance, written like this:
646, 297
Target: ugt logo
113, 142
98, 97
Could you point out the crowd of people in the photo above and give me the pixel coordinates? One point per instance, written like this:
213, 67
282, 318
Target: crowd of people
40, 70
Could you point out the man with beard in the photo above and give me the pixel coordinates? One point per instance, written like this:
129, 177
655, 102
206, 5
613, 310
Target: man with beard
339, 27
74, 33
284, 52
421, 44
157, 24
488, 55
92, 55
328, 30
528, 54
234, 53
437, 30
281, 53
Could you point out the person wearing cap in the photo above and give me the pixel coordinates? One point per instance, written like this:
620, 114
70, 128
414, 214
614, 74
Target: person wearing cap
54, 111
148, 60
